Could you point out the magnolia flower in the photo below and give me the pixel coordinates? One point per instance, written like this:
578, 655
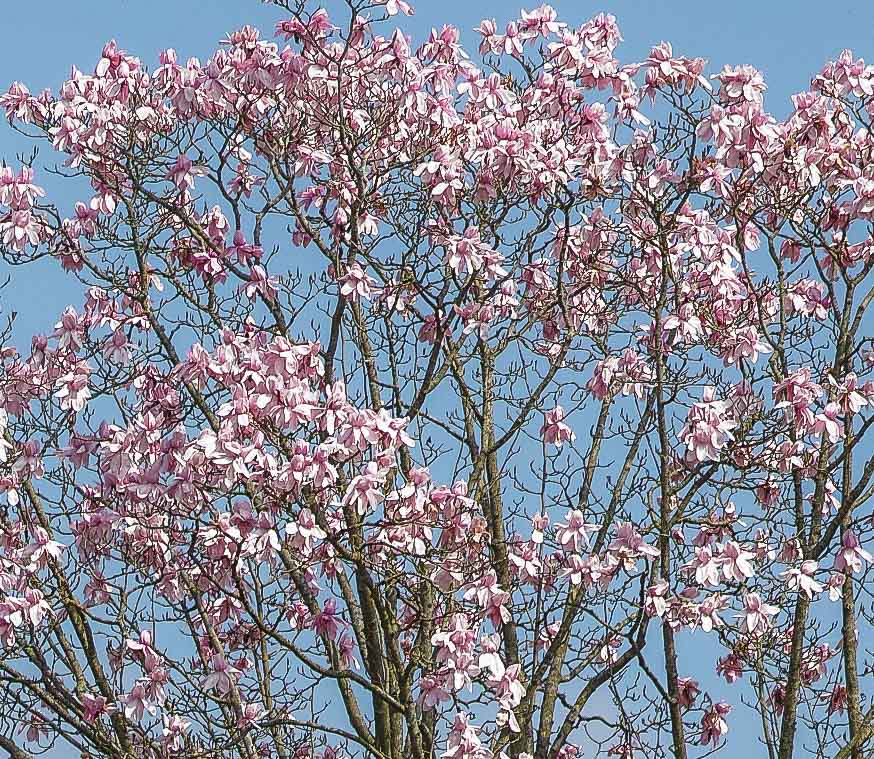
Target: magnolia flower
304, 532
73, 391
174, 731
327, 622
183, 172
835, 586
828, 423
364, 491
346, 648
509, 692
539, 523
851, 555
757, 613
491, 598
837, 699
393, 7
432, 692
116, 349
20, 229
802, 578
554, 430
704, 567
144, 651
223, 676
42, 549
730, 667
34, 606
576, 532
708, 612
35, 728
687, 691
458, 640
95, 707
708, 428
260, 284
656, 603
628, 541
137, 703
250, 715
713, 724
735, 562
356, 284
11, 618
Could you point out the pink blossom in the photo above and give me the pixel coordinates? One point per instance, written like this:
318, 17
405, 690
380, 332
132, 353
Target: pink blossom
432, 692
144, 651
713, 724
95, 707
508, 690
20, 228
251, 714
735, 562
327, 622
223, 677
73, 391
174, 730
554, 430
183, 172
364, 489
828, 423
35, 728
42, 550
687, 691
629, 542
756, 618
393, 7
356, 284
802, 578
708, 428
493, 600
576, 532
851, 555
837, 699
136, 703
730, 667
346, 646
20, 105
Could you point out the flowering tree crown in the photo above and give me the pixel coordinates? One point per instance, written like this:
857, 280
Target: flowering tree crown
421, 403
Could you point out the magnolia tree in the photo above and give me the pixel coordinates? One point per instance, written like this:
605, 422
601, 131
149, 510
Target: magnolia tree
428, 404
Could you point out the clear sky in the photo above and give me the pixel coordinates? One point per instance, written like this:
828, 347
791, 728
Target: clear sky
787, 40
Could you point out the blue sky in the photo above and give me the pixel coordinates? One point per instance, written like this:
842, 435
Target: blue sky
788, 41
